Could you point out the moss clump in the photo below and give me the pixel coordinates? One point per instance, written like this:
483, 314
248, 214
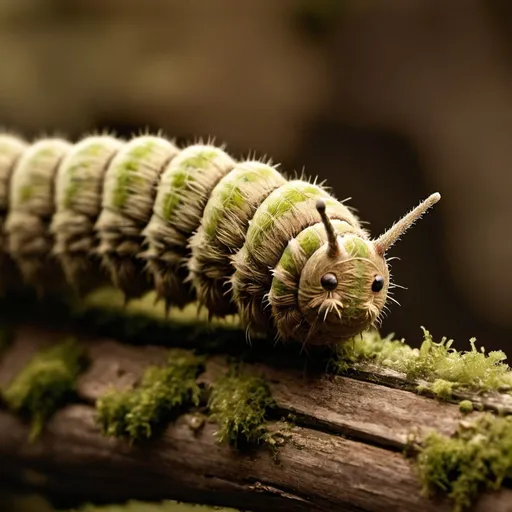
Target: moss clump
466, 406
442, 388
46, 383
477, 458
162, 392
438, 363
240, 404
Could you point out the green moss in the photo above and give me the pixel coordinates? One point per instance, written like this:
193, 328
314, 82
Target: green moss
46, 382
477, 458
162, 392
443, 368
240, 404
466, 406
442, 388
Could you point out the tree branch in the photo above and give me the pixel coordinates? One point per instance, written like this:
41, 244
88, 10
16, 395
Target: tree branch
343, 453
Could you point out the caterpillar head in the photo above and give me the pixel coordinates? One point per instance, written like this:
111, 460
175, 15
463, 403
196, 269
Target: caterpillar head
344, 285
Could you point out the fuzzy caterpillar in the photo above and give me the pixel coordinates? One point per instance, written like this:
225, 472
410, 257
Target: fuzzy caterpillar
192, 224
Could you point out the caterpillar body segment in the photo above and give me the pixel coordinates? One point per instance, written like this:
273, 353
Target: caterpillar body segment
129, 191
194, 224
221, 235
78, 200
31, 207
184, 190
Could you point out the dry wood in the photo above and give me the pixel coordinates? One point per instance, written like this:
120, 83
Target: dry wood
343, 453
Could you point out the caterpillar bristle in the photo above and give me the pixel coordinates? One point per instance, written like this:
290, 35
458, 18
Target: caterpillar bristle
191, 223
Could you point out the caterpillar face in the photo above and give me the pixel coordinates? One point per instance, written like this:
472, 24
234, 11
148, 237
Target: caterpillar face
344, 293
192, 224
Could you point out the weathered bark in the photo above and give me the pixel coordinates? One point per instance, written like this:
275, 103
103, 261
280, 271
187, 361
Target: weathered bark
343, 452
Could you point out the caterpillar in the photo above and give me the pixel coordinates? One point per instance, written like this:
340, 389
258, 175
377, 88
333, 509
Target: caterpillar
193, 224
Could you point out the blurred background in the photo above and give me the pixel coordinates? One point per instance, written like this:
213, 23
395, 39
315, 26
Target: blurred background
389, 100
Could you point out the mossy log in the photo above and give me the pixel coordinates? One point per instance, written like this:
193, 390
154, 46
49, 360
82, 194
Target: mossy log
343, 449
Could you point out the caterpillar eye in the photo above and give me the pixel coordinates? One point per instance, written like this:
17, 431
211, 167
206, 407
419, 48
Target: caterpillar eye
378, 284
329, 282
